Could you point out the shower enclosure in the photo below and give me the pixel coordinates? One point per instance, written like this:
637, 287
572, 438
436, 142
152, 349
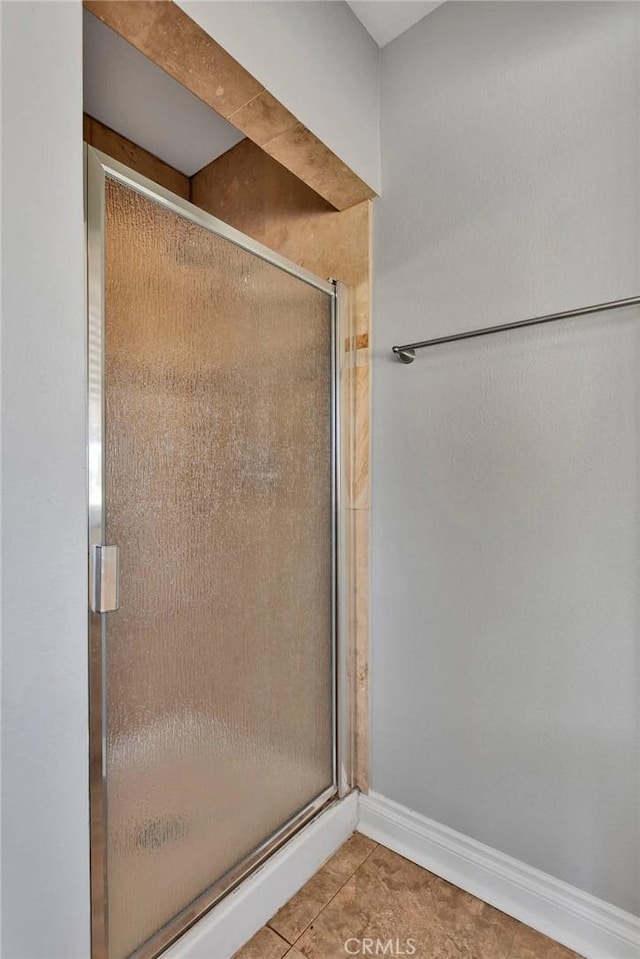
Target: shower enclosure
214, 540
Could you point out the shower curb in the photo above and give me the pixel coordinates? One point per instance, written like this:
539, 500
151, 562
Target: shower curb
226, 927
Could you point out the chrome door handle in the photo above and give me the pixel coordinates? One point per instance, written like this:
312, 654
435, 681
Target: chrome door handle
105, 579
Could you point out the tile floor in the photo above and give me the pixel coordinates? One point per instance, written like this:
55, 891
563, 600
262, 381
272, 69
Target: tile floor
366, 893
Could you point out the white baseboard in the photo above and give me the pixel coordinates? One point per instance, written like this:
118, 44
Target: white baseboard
240, 914
593, 928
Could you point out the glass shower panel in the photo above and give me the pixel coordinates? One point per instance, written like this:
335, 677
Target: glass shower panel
218, 490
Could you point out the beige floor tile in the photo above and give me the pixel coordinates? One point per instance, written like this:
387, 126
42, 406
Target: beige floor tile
294, 917
390, 898
266, 944
367, 895
478, 928
529, 944
350, 856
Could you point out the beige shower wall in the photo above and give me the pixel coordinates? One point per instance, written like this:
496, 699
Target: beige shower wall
251, 191
103, 138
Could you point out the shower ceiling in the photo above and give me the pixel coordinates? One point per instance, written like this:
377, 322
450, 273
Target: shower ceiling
130, 94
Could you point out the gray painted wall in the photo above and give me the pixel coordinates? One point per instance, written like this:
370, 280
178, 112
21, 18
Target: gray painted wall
505, 470
45, 838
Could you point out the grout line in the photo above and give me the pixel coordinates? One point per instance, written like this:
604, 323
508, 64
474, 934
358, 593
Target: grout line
336, 893
268, 925
246, 104
286, 941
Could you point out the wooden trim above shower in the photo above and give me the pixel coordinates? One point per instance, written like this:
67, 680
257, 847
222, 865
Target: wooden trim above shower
165, 34
115, 145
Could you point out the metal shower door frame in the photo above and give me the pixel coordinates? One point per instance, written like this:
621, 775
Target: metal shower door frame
99, 167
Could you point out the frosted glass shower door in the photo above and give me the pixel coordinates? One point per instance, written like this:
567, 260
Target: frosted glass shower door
217, 677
